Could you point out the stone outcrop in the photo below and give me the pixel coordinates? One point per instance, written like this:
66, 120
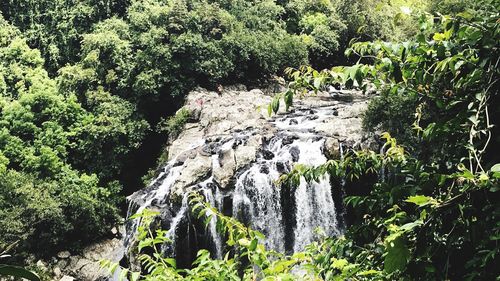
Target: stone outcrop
84, 266
240, 116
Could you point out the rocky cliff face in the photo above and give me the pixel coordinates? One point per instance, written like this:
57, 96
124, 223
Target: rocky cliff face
233, 152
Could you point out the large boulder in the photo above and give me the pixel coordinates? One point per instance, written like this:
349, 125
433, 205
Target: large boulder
194, 171
86, 266
224, 168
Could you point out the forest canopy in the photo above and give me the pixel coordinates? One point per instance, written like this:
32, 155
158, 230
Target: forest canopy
84, 85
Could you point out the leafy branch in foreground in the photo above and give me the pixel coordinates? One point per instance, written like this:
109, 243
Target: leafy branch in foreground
246, 259
431, 213
407, 218
15, 271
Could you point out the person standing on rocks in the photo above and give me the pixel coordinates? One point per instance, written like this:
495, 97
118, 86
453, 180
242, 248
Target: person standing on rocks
219, 89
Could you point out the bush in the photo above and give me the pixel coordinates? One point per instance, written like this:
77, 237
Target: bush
173, 125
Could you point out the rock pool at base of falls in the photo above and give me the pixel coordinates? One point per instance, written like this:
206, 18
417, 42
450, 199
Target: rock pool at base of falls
233, 153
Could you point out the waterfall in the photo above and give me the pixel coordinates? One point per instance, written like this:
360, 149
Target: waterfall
256, 201
216, 202
289, 217
169, 247
315, 207
155, 196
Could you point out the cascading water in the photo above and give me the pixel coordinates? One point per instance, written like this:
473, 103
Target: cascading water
155, 197
289, 217
257, 199
215, 201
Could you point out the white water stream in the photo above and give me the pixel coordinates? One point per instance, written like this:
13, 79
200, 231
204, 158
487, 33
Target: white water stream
255, 198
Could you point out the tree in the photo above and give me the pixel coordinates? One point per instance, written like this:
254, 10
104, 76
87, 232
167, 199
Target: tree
45, 202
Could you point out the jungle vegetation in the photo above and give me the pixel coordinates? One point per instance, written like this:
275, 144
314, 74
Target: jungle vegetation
89, 87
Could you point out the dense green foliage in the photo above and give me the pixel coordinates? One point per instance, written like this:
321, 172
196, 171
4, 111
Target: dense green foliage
55, 27
43, 197
433, 212
83, 84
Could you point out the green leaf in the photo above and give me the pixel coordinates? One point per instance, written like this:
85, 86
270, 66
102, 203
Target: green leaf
411, 225
288, 99
369, 272
253, 245
275, 104
421, 38
171, 262
123, 274
421, 200
339, 263
207, 220
438, 36
244, 242
19, 272
135, 276
397, 255
113, 267
496, 170
359, 76
429, 131
317, 82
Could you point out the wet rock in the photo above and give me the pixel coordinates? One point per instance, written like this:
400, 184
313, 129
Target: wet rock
295, 152
317, 138
236, 88
194, 171
281, 167
181, 158
63, 255
225, 168
194, 113
288, 139
264, 169
293, 121
210, 148
166, 218
246, 154
86, 267
57, 271
42, 266
311, 117
332, 148
334, 95
192, 135
345, 128
63, 263
268, 155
